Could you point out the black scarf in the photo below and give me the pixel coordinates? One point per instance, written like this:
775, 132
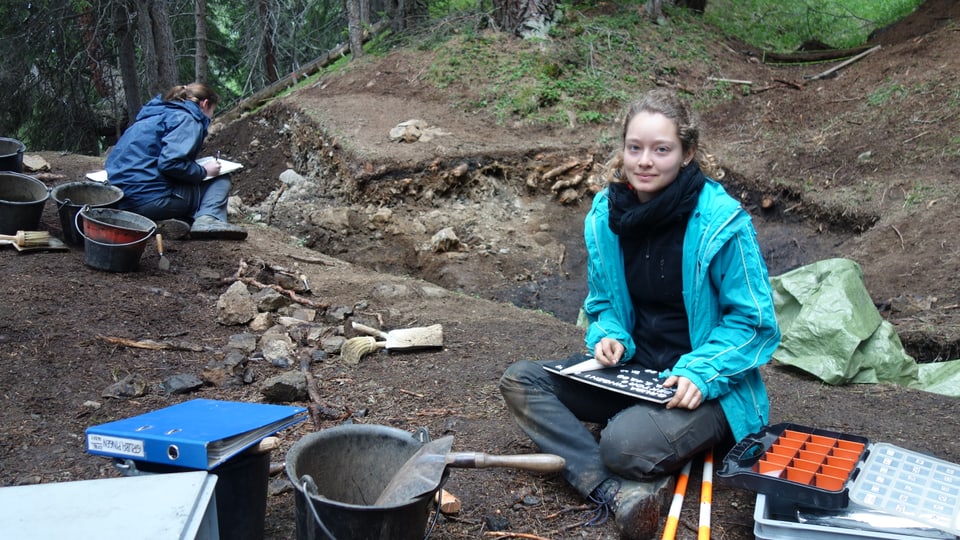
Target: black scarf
630, 216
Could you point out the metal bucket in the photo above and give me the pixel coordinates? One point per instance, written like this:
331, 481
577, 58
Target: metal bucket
22, 199
73, 196
113, 239
339, 473
11, 155
113, 226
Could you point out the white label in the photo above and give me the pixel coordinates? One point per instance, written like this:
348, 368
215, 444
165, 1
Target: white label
115, 445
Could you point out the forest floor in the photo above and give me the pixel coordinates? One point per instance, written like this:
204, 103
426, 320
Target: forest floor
863, 165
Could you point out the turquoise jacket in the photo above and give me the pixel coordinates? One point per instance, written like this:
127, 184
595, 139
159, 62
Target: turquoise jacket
727, 294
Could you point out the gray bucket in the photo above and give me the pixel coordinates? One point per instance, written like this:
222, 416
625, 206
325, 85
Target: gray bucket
339, 472
113, 240
73, 196
21, 202
11, 155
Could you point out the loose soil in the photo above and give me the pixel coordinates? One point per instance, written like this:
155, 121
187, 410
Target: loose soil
862, 165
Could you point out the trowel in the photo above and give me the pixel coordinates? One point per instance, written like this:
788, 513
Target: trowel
422, 473
163, 263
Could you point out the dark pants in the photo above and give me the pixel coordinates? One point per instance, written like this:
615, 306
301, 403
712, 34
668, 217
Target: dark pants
189, 201
640, 440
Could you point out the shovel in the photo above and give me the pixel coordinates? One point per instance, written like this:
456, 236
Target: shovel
404, 339
163, 263
422, 473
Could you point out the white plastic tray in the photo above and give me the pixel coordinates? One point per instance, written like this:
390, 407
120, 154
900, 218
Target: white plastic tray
767, 527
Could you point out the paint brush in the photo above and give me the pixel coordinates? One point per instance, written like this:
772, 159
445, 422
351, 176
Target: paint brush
26, 239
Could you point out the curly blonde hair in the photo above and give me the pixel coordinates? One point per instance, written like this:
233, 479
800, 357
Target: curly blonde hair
669, 104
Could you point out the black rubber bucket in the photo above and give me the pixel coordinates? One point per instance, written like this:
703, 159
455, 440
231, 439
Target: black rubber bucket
241, 491
338, 473
113, 240
11, 155
21, 202
73, 196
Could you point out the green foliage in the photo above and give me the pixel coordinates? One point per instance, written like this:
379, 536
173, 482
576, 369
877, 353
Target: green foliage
587, 70
596, 57
779, 26
885, 93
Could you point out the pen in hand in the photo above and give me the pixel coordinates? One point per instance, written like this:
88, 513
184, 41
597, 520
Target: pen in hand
218, 156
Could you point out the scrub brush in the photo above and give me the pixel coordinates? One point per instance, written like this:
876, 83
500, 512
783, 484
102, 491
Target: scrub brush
26, 239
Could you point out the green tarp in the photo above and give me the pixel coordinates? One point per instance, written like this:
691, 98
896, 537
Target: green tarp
832, 330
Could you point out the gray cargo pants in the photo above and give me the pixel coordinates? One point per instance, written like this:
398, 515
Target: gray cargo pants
640, 440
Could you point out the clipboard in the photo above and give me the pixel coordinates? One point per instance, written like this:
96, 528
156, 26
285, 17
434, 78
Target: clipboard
627, 379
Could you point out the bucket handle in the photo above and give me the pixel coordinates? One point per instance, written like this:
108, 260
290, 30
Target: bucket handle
309, 488
76, 223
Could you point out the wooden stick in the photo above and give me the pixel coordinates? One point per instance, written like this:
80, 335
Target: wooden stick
447, 502
311, 391
507, 534
293, 296
706, 496
673, 517
731, 81
842, 64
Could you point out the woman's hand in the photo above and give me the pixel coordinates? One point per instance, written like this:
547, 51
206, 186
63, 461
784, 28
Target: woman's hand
608, 351
688, 396
212, 166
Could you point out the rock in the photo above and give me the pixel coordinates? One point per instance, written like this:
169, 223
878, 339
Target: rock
35, 163
278, 354
332, 344
236, 305
292, 178
408, 132
496, 522
245, 342
270, 300
182, 383
334, 219
261, 322
382, 216
231, 371
445, 240
339, 313
133, 385
286, 387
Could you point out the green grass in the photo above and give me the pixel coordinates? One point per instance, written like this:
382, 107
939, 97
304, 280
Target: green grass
782, 26
599, 56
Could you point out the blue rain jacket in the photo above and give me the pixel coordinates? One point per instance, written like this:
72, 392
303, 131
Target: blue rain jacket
160, 148
728, 299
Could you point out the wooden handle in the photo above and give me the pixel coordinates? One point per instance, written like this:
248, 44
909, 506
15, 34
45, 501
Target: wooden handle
529, 462
160, 244
368, 329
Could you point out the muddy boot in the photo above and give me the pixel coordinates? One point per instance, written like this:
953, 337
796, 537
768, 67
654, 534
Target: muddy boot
173, 229
209, 227
636, 506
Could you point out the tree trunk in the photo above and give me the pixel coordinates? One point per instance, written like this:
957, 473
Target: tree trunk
655, 7
94, 52
355, 29
127, 59
167, 75
201, 64
269, 52
520, 16
148, 48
